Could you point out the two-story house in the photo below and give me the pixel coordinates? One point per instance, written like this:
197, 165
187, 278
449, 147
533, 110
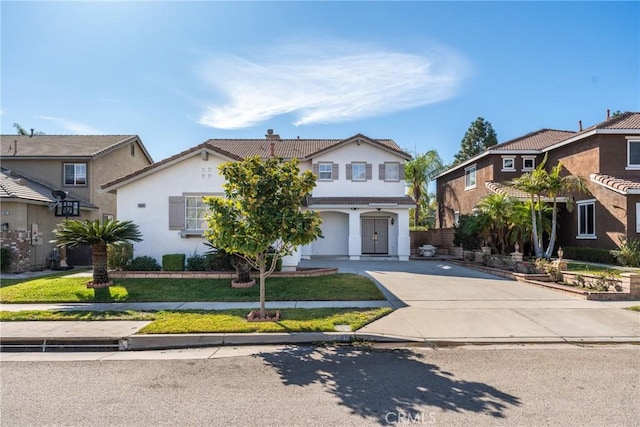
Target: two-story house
360, 195
607, 155
37, 168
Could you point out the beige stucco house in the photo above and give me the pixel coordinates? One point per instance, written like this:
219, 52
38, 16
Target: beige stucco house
33, 167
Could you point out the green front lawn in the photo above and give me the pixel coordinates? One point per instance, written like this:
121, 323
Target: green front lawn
336, 287
580, 268
223, 321
634, 308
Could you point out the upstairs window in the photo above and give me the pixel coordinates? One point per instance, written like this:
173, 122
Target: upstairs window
528, 163
508, 164
325, 171
633, 154
470, 177
75, 174
392, 171
358, 171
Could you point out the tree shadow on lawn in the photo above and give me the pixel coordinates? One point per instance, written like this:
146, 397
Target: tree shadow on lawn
383, 384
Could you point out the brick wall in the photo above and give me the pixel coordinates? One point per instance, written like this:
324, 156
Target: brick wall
18, 242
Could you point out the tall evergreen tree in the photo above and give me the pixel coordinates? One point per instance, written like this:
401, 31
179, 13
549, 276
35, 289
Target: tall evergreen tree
478, 138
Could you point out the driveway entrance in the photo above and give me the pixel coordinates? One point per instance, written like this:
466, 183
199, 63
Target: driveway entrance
445, 302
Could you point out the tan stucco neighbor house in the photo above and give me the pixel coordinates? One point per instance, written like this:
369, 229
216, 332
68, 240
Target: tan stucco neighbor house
34, 167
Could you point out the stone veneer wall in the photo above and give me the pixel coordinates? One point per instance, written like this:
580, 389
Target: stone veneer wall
18, 242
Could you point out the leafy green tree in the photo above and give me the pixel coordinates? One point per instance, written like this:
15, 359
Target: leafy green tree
98, 234
22, 131
477, 139
418, 173
260, 217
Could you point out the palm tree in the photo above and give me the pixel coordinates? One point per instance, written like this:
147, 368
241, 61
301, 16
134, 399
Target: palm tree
497, 209
22, 131
556, 185
419, 172
97, 234
535, 184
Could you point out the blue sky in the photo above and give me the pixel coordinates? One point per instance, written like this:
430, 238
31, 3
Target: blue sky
178, 73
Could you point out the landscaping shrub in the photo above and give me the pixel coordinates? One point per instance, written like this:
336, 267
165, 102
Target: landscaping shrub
173, 262
467, 232
602, 256
628, 253
119, 256
197, 262
5, 259
553, 270
143, 263
220, 261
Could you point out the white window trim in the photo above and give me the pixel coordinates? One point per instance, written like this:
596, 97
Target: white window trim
353, 178
188, 230
513, 162
456, 218
330, 164
475, 175
586, 236
75, 175
397, 165
637, 217
629, 165
524, 159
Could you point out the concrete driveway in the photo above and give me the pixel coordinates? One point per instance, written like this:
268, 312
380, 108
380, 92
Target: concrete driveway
444, 302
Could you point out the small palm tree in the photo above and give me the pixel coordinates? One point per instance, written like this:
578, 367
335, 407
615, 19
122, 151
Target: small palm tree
97, 234
498, 209
22, 131
419, 172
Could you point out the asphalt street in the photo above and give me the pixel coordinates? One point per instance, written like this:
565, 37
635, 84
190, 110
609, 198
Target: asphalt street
330, 386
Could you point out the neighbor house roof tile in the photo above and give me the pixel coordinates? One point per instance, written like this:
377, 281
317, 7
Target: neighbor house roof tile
624, 185
20, 187
537, 140
60, 145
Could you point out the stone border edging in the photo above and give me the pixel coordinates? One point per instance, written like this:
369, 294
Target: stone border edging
544, 281
307, 272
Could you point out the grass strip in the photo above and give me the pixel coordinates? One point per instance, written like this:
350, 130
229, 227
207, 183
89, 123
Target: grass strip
335, 287
222, 321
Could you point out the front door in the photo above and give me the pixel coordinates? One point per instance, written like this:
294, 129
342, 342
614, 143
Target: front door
375, 236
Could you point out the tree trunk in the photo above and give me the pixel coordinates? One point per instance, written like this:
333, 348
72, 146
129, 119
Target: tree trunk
552, 238
416, 211
262, 260
534, 230
99, 260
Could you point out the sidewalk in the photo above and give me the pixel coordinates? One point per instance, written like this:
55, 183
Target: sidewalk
436, 303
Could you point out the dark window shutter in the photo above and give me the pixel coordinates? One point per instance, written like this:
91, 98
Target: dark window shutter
401, 173
369, 171
349, 176
176, 213
316, 169
334, 174
381, 171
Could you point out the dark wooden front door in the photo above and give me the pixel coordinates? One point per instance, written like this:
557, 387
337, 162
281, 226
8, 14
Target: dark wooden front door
375, 236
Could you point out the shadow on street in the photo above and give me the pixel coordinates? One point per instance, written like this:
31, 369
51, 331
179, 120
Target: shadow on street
387, 385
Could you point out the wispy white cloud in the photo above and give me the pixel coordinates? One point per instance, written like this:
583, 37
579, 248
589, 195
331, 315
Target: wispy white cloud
71, 126
327, 83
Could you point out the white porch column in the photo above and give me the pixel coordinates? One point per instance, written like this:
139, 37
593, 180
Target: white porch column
355, 241
404, 240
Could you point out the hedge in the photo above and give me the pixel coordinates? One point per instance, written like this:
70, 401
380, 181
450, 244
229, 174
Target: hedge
602, 256
173, 262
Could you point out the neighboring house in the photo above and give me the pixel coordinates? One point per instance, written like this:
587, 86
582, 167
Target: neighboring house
360, 195
607, 155
35, 167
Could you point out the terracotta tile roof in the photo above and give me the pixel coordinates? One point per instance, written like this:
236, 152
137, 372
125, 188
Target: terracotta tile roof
537, 140
627, 120
63, 145
288, 148
499, 188
626, 185
363, 201
15, 186
238, 149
